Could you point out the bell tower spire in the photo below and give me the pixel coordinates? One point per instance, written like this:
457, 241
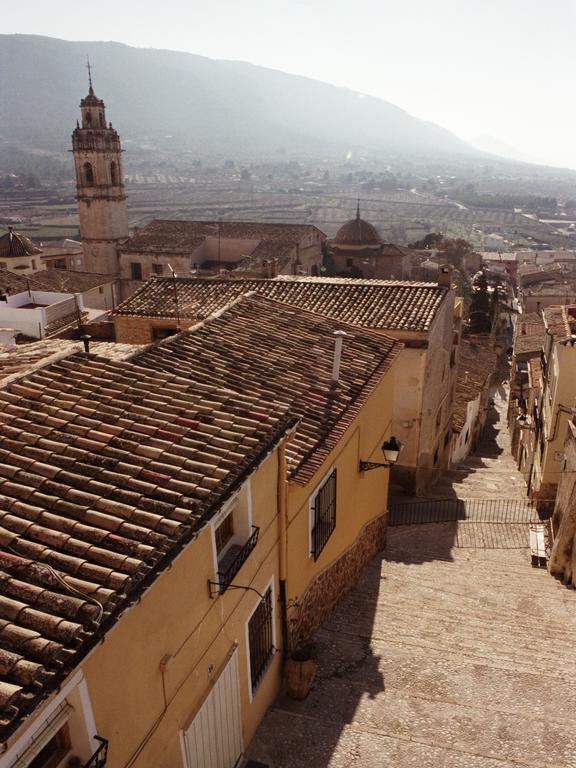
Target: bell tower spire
89, 68
99, 185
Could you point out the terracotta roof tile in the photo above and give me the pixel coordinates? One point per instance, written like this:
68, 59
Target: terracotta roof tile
392, 304
476, 364
52, 280
179, 236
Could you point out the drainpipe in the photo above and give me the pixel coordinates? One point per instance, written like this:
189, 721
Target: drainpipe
283, 531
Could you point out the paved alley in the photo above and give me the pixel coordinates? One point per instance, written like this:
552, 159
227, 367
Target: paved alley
491, 472
450, 653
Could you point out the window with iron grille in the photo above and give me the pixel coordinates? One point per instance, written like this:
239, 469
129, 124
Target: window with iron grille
261, 638
323, 514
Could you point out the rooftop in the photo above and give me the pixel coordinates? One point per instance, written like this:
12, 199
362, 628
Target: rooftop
52, 280
560, 321
179, 236
529, 334
392, 304
108, 467
20, 358
476, 365
357, 232
14, 244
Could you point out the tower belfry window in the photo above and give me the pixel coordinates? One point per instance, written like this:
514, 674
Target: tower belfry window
89, 119
88, 174
113, 173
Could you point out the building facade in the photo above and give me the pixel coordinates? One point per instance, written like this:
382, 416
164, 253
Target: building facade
563, 555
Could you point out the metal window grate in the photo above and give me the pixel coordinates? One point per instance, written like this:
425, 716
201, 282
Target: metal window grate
260, 637
239, 556
99, 758
324, 515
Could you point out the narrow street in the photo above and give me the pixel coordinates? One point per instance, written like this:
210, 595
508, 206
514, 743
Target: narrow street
491, 472
452, 651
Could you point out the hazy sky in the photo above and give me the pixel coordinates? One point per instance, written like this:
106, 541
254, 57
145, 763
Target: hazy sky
498, 67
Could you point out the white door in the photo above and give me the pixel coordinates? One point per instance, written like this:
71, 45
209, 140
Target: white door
214, 738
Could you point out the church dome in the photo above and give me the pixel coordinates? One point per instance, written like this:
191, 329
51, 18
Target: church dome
15, 244
357, 232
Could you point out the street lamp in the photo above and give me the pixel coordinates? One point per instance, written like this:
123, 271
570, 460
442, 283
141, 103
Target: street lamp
391, 450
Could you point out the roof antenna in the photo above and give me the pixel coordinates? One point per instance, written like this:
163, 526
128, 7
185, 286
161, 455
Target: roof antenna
89, 68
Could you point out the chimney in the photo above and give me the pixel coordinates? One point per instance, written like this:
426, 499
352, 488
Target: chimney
445, 275
339, 337
86, 339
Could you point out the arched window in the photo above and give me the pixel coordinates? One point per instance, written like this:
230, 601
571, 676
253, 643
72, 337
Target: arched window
89, 119
102, 123
113, 173
88, 174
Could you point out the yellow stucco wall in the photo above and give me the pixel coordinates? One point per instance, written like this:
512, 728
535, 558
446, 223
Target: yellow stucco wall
177, 622
559, 392
360, 497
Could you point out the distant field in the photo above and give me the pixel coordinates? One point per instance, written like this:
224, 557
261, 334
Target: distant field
401, 216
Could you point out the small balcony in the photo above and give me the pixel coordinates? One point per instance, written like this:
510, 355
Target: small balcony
234, 559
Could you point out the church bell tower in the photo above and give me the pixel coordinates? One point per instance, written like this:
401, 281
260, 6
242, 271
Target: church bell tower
99, 186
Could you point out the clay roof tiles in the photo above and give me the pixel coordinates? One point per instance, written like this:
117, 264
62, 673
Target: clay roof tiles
392, 304
55, 280
476, 364
180, 236
19, 358
557, 322
107, 466
14, 244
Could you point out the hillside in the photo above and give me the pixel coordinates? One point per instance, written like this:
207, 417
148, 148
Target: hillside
166, 98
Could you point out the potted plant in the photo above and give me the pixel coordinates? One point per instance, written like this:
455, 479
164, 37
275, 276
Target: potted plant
300, 671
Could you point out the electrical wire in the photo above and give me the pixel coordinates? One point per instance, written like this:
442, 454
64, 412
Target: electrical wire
67, 587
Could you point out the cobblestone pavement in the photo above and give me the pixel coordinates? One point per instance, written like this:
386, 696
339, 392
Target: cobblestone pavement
450, 653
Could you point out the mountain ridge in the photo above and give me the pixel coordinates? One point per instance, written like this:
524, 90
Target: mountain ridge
194, 103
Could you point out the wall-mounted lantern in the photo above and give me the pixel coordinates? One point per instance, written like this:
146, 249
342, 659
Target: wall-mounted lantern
391, 450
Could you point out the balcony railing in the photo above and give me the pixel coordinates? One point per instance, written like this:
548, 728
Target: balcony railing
98, 759
240, 556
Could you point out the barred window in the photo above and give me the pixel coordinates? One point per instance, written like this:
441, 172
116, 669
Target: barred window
261, 639
324, 514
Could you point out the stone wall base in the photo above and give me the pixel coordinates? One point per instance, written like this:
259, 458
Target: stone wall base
312, 609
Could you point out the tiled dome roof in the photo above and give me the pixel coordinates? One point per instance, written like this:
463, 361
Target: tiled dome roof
357, 232
14, 244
